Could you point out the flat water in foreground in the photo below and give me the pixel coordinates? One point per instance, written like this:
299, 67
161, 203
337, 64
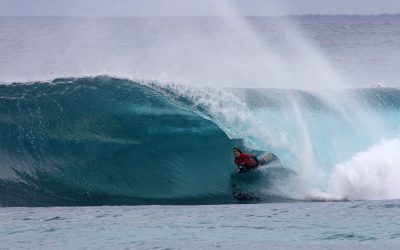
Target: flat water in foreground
308, 225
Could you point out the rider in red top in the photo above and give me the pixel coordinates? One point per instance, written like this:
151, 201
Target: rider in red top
244, 161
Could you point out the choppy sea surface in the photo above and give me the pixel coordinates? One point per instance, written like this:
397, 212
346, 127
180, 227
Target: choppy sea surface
305, 225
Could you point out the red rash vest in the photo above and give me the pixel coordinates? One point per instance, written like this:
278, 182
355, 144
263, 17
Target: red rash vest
246, 160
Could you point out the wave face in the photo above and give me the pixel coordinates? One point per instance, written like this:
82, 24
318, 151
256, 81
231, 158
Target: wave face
103, 140
92, 141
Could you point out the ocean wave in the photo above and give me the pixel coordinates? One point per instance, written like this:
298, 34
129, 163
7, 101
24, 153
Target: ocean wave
103, 140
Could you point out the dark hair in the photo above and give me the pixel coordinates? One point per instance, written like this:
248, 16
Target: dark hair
237, 149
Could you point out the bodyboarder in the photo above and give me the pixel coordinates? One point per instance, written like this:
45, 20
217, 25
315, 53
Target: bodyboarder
244, 161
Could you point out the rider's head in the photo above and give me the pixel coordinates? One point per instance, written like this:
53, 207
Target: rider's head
236, 152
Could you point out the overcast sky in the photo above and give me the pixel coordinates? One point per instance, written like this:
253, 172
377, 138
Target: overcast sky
192, 7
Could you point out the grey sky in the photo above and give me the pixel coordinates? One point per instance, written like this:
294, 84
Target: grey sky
191, 7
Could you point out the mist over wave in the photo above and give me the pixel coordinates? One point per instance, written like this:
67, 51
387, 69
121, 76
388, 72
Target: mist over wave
102, 140
268, 52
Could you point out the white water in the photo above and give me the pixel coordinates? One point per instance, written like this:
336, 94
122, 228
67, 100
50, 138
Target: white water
372, 174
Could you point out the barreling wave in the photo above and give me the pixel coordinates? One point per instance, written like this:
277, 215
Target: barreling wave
104, 141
